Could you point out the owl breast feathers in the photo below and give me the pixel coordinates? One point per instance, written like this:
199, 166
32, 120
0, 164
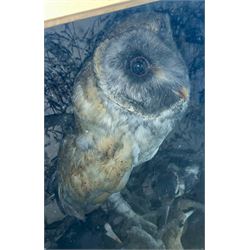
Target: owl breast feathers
126, 100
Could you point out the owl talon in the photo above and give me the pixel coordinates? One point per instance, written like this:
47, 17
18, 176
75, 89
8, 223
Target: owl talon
122, 207
147, 226
138, 238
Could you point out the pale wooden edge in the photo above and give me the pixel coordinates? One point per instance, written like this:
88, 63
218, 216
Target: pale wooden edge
95, 12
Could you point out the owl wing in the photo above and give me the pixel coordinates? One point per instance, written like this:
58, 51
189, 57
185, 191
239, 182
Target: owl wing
90, 171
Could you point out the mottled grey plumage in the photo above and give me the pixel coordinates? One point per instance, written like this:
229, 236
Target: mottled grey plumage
126, 101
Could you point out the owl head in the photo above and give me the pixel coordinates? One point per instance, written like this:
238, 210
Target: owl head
138, 66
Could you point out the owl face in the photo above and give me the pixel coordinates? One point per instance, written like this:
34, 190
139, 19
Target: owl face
139, 67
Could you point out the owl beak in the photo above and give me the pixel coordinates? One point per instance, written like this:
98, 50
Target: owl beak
183, 93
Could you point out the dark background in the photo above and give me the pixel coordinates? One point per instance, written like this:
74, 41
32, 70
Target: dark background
150, 187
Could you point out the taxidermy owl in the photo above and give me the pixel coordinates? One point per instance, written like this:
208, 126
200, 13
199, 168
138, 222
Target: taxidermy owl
126, 100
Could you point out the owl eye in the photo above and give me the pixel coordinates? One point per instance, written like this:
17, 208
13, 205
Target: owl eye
139, 66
